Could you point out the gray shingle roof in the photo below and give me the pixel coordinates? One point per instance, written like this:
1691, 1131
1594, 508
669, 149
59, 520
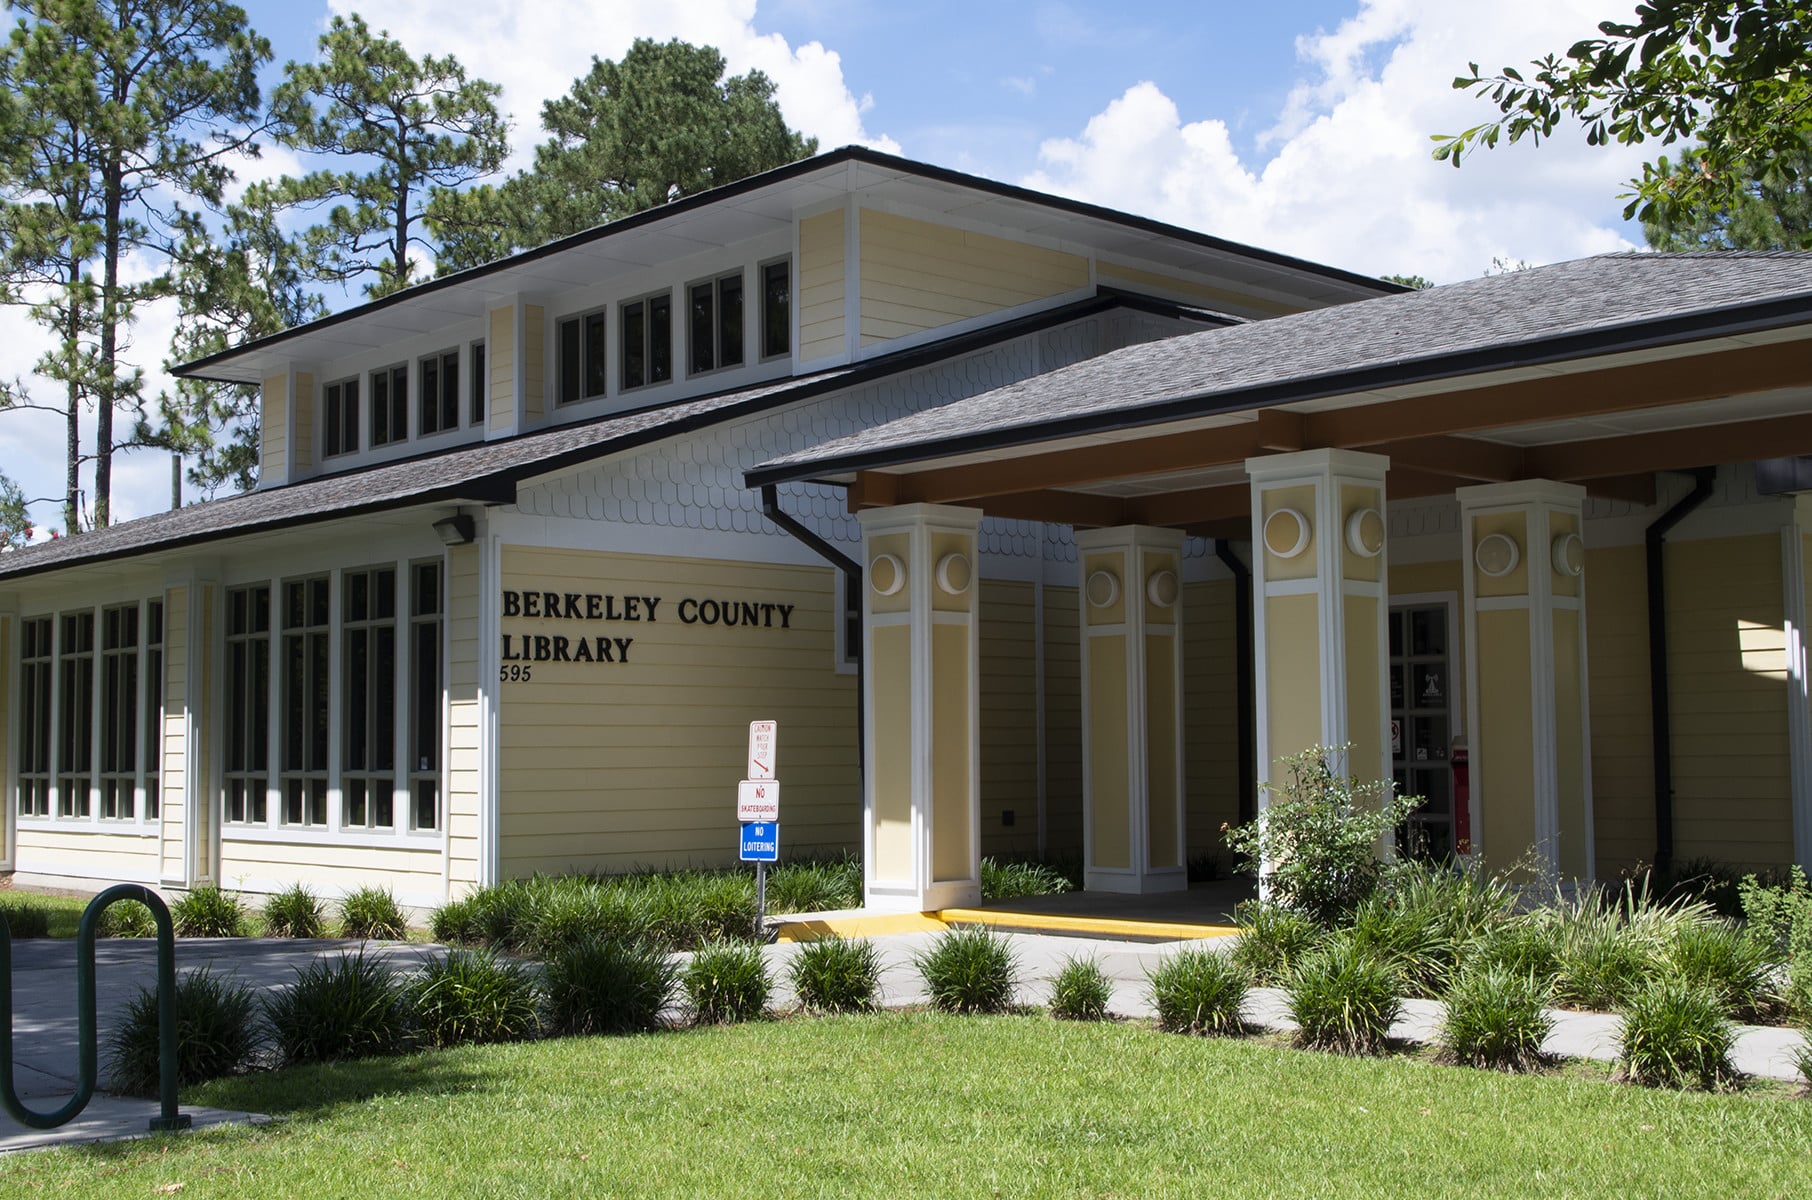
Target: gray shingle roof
1589, 306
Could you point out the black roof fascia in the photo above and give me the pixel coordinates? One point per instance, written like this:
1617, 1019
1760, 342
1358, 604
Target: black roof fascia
805, 166
1666, 331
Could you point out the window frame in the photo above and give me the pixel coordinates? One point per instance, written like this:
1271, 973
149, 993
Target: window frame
715, 285
438, 412
643, 306
425, 721
119, 667
397, 405
69, 771
247, 782
366, 693
582, 370
478, 389
334, 414
786, 322
37, 754
306, 771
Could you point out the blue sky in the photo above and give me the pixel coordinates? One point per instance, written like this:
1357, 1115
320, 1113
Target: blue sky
1301, 127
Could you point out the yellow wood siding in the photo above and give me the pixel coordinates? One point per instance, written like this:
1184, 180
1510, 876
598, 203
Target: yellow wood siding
118, 857
500, 360
622, 764
174, 779
304, 422
1062, 724
1420, 578
464, 729
534, 362
1009, 718
1623, 774
916, 275
1136, 279
273, 431
821, 286
1210, 715
411, 873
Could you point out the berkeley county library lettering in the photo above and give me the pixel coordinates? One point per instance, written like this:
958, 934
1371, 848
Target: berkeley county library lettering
595, 606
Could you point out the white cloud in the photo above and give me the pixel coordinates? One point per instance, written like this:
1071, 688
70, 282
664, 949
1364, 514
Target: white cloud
535, 51
1349, 179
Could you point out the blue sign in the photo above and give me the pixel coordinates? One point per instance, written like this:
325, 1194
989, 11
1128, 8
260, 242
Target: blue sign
761, 841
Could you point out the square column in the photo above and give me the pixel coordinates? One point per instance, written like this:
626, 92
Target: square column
921, 802
1319, 608
1526, 682
1132, 710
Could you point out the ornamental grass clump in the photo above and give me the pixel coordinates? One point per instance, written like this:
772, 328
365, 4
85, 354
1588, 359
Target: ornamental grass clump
126, 919
217, 1033
1719, 955
1344, 998
24, 918
208, 912
469, 997
726, 982
1199, 991
800, 887
346, 1006
1004, 879
1525, 944
1675, 1035
372, 913
837, 975
295, 912
1496, 1018
608, 985
1081, 991
969, 970
1428, 917
1272, 939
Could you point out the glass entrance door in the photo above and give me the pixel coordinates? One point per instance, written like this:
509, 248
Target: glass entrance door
1421, 726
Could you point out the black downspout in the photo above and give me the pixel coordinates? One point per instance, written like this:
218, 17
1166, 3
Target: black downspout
852, 573
1242, 658
1660, 724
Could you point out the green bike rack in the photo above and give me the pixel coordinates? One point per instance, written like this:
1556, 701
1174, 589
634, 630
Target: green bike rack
168, 1117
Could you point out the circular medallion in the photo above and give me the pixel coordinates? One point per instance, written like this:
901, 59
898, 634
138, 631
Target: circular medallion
1496, 555
886, 574
953, 574
1161, 588
1103, 588
1569, 555
1286, 533
1365, 533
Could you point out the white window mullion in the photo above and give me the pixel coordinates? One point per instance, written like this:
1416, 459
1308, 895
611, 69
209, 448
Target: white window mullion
96, 699
404, 696
140, 749
336, 706
55, 716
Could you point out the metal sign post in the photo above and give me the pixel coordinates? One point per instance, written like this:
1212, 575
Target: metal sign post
758, 810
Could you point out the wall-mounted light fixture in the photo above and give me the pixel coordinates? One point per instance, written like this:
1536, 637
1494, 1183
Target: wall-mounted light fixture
456, 530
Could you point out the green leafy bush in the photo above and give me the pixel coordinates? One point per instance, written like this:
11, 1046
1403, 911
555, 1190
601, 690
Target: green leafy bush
1344, 998
1719, 955
969, 970
346, 1006
1774, 909
217, 1034
1081, 991
295, 912
1675, 1035
1318, 835
1495, 1018
726, 982
1704, 879
837, 975
454, 923
373, 914
800, 887
127, 919
1199, 991
24, 918
1272, 939
470, 997
208, 912
605, 985
1002, 879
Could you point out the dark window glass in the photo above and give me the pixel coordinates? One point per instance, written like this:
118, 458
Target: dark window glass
481, 381
571, 359
305, 697
341, 434
702, 327
75, 740
119, 713
389, 405
714, 324
729, 321
776, 308
635, 344
34, 717
368, 636
248, 704
154, 706
424, 701
597, 369
660, 339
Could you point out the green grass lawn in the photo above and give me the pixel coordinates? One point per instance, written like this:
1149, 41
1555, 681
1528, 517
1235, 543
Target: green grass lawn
917, 1104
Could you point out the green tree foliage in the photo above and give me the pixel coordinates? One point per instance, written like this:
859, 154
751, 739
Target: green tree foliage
15, 521
407, 130
1771, 210
1734, 76
1416, 282
663, 123
113, 114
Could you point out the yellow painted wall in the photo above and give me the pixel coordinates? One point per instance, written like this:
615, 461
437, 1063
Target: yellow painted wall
248, 864
1210, 715
891, 770
1365, 688
122, 857
500, 360
1293, 658
952, 857
1062, 724
622, 764
534, 363
304, 421
207, 715
1163, 838
1416, 578
1136, 279
1569, 748
1108, 757
273, 430
1502, 739
916, 275
464, 729
1009, 718
1623, 773
174, 779
821, 286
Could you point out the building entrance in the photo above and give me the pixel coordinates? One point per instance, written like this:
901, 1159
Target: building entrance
1421, 725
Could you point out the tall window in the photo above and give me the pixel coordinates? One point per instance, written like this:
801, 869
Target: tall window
440, 392
368, 772
481, 382
305, 678
119, 713
75, 743
647, 341
34, 717
424, 697
389, 405
776, 308
154, 707
342, 405
584, 372
714, 323
248, 714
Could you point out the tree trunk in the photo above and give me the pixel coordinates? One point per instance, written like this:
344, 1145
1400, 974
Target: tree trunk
105, 394
72, 479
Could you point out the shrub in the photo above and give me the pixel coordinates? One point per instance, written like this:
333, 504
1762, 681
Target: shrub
1206, 868
127, 919
1317, 838
24, 918
587, 912
1522, 945
1703, 879
208, 912
1719, 955
1441, 914
216, 1033
836, 975
607, 985
295, 912
969, 970
497, 913
1675, 1035
372, 913
1774, 909
1598, 962
1001, 880
1343, 998
347, 1006
454, 923
470, 997
798, 887
693, 908
1802, 1063
1272, 939
1081, 991
726, 982
1495, 1019
1199, 991
1419, 949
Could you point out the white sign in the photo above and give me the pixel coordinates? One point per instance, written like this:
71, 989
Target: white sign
764, 737
758, 800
